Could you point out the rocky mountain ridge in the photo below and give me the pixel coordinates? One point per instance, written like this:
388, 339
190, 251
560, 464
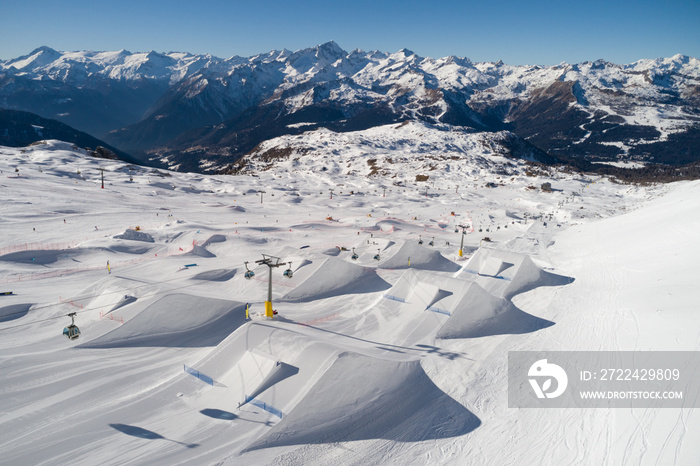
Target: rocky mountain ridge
184, 109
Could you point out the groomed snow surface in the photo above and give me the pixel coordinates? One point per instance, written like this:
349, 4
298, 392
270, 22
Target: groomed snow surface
396, 357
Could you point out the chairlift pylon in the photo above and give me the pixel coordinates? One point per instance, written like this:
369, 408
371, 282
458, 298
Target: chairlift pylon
248, 273
72, 331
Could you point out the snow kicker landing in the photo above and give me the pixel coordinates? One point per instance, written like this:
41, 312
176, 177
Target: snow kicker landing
335, 277
177, 320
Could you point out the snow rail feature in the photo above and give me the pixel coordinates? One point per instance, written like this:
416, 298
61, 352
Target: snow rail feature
264, 406
394, 298
439, 311
489, 276
199, 375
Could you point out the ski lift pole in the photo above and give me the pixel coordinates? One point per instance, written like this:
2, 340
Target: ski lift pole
268, 303
461, 244
267, 260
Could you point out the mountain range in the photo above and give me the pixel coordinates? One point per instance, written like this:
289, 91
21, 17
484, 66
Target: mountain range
203, 113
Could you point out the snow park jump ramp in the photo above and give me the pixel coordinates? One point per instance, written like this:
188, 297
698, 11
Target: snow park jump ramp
420, 258
505, 274
311, 389
240, 375
479, 314
357, 398
336, 277
200, 251
176, 320
421, 303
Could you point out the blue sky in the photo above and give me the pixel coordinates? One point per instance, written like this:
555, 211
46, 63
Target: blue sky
517, 32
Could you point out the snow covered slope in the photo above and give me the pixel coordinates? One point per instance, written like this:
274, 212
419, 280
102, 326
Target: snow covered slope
394, 153
369, 361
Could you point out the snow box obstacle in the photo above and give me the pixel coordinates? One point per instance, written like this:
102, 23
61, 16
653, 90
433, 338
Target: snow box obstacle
335, 277
361, 397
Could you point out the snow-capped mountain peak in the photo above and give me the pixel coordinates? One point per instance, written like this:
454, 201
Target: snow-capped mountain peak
168, 103
37, 58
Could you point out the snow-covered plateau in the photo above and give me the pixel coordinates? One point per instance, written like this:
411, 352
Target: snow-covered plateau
396, 356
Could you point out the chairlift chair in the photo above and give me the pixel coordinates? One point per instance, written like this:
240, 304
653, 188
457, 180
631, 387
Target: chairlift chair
288, 273
72, 331
248, 273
